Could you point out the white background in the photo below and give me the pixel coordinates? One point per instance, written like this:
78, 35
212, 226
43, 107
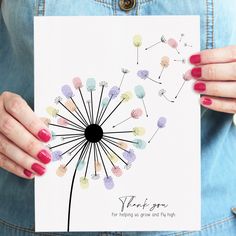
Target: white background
168, 170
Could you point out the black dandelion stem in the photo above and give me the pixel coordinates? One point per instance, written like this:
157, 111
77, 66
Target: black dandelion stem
102, 113
71, 190
161, 72
153, 45
70, 111
89, 111
89, 154
58, 145
80, 113
99, 104
81, 95
86, 151
76, 125
115, 144
95, 158
92, 118
125, 140
114, 152
100, 154
70, 137
77, 145
112, 111
65, 135
106, 153
119, 132
64, 127
180, 89
83, 147
121, 122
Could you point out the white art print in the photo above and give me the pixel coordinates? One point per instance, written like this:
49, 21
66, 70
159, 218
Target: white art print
117, 96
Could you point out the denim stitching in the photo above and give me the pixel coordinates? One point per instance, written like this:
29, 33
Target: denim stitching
104, 2
40, 7
210, 24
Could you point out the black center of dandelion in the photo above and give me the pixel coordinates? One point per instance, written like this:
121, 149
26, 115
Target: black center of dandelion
93, 133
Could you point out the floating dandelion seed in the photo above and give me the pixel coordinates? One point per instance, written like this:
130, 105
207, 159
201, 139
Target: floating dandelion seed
85, 142
137, 41
173, 44
186, 77
135, 114
161, 123
162, 93
140, 93
125, 72
144, 74
181, 37
165, 62
188, 45
183, 61
162, 40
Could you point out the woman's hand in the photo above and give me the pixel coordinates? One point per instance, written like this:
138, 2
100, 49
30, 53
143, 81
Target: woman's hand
215, 72
21, 137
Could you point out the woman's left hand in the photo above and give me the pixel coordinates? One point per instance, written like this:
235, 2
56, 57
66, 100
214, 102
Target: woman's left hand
215, 73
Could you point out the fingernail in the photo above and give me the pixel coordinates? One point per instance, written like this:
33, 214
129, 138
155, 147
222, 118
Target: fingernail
195, 59
28, 173
206, 101
199, 87
44, 135
196, 72
44, 156
40, 170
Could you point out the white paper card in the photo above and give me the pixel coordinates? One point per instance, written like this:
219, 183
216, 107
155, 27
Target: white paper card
135, 164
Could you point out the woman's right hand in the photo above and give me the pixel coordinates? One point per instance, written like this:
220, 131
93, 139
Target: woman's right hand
21, 135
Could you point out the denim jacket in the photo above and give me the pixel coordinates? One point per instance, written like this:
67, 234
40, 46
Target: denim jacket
218, 134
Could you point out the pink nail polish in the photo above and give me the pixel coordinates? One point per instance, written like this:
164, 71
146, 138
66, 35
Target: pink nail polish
196, 72
199, 87
206, 101
44, 135
40, 170
28, 173
195, 59
44, 156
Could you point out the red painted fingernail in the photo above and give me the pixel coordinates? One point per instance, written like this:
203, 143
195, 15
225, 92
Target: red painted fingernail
28, 173
196, 72
44, 135
206, 101
195, 59
40, 170
44, 156
199, 87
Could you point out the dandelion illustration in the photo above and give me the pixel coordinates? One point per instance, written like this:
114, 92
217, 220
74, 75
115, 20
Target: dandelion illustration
183, 60
162, 93
188, 45
78, 135
137, 41
181, 37
173, 44
161, 123
125, 72
186, 77
140, 93
165, 62
135, 114
144, 74
162, 40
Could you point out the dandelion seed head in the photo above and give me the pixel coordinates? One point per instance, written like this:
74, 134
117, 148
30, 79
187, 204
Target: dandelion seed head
67, 91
